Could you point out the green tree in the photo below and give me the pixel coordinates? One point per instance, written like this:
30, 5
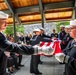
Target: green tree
20, 29
58, 24
10, 29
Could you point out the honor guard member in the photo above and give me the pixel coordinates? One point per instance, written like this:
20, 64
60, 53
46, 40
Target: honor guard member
66, 38
6, 45
43, 34
35, 59
62, 32
54, 34
69, 56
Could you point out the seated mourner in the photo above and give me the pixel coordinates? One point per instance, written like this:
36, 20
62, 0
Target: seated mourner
9, 63
15, 58
69, 55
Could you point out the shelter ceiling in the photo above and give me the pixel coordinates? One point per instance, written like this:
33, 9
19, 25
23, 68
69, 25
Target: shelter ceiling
28, 11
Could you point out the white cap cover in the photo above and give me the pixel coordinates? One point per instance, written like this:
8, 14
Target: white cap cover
68, 26
38, 30
73, 22
3, 15
41, 28
62, 26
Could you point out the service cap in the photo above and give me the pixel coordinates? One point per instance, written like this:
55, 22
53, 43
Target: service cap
62, 26
73, 22
36, 30
41, 28
3, 15
68, 26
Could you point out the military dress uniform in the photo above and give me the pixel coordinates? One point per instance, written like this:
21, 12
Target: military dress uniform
54, 35
65, 41
70, 50
69, 53
5, 45
61, 35
36, 58
44, 35
3, 63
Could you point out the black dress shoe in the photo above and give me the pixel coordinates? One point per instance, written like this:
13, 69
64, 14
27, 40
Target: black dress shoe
31, 72
39, 73
61, 63
21, 65
64, 73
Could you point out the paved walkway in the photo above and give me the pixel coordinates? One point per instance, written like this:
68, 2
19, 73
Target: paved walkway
49, 67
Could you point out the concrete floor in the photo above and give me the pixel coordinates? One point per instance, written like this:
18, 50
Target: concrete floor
50, 66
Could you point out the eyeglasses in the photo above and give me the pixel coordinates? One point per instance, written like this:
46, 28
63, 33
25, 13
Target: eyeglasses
72, 28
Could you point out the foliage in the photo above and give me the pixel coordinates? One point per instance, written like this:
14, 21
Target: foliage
58, 24
10, 29
19, 28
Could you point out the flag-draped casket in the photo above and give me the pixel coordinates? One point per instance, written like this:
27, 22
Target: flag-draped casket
49, 48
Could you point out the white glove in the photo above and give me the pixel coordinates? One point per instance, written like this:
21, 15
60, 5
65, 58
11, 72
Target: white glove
43, 50
35, 49
47, 50
61, 57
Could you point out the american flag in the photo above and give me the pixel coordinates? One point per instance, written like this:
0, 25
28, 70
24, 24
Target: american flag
55, 45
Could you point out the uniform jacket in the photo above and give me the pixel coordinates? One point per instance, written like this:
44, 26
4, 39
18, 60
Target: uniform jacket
61, 35
36, 39
46, 36
3, 63
70, 50
65, 41
6, 45
54, 35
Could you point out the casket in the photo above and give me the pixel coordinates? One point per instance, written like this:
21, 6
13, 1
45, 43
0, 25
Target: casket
49, 48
